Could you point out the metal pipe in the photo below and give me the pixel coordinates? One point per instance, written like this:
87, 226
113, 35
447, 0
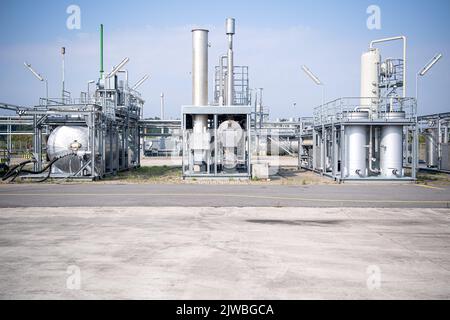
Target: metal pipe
424, 70
430, 64
200, 86
101, 51
118, 67
40, 78
93, 149
446, 133
46, 92
261, 111
371, 159
140, 82
63, 53
200, 67
358, 109
230, 29
221, 80
439, 147
162, 106
88, 91
126, 77
403, 38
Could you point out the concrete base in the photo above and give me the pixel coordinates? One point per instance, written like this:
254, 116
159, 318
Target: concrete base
260, 170
224, 253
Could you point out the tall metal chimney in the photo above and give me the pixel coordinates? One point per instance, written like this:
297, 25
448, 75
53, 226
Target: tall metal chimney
199, 90
230, 27
200, 67
162, 105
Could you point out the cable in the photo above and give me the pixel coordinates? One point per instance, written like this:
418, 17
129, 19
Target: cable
18, 169
14, 170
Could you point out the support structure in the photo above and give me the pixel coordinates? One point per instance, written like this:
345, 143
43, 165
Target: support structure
352, 145
216, 138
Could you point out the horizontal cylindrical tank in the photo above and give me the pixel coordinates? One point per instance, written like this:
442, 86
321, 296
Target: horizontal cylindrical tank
61, 143
356, 146
431, 143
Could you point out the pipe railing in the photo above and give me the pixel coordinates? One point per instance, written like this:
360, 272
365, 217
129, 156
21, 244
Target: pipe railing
339, 110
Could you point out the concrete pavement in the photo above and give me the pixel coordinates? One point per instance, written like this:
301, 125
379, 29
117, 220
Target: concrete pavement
224, 253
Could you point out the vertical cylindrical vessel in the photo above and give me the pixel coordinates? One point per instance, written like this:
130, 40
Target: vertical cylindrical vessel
230, 27
356, 150
199, 91
370, 92
200, 67
431, 149
356, 146
391, 151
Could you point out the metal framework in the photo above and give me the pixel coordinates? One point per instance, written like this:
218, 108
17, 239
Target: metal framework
305, 142
241, 92
111, 118
435, 153
330, 145
215, 146
161, 137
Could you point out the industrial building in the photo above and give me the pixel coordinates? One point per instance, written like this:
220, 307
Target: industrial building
371, 137
377, 136
80, 138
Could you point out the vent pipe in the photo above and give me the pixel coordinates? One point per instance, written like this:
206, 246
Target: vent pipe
200, 67
230, 28
101, 52
199, 90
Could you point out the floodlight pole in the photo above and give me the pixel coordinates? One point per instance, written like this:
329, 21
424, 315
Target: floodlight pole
424, 71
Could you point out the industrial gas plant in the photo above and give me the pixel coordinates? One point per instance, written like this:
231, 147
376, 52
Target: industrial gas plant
377, 136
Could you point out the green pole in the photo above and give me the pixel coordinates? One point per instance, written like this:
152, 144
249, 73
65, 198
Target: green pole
101, 51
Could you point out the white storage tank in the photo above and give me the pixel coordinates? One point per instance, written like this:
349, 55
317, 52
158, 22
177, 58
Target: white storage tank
356, 146
370, 66
391, 147
62, 141
431, 144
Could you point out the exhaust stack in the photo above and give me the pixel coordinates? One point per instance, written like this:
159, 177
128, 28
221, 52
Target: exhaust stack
200, 90
230, 27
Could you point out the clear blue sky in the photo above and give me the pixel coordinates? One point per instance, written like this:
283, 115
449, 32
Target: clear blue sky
273, 37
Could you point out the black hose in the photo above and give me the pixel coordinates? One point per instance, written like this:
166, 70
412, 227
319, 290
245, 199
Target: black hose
18, 169
14, 170
48, 175
44, 169
17, 173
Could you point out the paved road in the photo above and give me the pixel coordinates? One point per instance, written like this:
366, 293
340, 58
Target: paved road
201, 195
